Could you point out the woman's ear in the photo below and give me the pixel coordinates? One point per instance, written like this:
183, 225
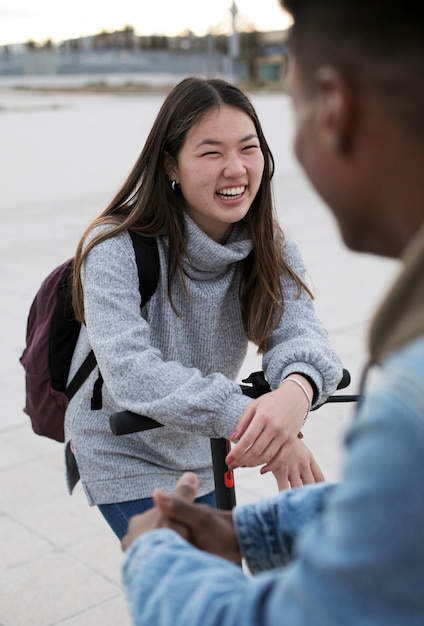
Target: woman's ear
336, 108
170, 166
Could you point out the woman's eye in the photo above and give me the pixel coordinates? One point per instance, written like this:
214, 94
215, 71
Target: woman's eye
252, 147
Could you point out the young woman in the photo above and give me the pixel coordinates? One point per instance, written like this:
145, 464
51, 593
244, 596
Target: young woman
228, 275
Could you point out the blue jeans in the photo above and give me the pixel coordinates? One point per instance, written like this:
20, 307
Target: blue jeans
118, 514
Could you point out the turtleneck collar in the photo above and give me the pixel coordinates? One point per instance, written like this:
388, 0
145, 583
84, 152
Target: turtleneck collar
209, 259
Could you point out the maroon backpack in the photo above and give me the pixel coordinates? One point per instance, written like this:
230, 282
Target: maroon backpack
51, 337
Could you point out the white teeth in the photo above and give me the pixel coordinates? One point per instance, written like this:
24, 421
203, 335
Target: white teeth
231, 191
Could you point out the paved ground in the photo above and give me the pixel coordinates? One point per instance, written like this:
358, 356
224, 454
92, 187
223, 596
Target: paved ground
61, 159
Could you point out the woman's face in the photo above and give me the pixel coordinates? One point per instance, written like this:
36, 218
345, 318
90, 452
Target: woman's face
219, 169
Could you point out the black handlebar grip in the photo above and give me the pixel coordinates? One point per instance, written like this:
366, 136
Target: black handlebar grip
345, 381
126, 422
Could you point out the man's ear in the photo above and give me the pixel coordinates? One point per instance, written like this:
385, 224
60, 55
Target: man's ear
336, 108
170, 166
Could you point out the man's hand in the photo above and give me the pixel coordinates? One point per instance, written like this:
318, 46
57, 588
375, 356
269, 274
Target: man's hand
206, 528
185, 489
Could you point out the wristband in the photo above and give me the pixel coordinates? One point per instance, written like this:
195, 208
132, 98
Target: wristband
303, 388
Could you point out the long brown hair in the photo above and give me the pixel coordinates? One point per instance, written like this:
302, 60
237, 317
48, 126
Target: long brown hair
146, 204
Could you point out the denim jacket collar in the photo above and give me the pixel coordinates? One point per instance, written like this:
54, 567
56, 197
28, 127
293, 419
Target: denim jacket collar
400, 318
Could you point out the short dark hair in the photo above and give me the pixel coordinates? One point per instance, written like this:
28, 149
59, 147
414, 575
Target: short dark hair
374, 42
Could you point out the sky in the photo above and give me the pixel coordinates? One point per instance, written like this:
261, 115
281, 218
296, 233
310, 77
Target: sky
39, 20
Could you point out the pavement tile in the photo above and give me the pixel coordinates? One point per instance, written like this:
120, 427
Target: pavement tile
102, 553
22, 545
49, 589
30, 484
18, 445
63, 520
110, 613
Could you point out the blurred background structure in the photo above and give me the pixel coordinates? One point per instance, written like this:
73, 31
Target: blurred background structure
232, 49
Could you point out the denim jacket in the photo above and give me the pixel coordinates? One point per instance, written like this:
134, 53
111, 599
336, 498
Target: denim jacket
324, 555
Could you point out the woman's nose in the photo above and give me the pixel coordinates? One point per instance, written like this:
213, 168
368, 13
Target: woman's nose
234, 167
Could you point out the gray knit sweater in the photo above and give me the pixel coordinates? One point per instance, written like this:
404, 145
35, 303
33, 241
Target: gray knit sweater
178, 369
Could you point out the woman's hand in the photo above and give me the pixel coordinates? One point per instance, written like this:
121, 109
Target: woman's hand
267, 434
301, 468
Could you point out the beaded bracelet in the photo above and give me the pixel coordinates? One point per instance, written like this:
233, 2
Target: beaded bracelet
303, 388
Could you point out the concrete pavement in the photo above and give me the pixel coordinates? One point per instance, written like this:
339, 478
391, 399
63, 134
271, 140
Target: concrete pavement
62, 156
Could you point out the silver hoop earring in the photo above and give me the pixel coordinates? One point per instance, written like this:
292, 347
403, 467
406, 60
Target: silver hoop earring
175, 186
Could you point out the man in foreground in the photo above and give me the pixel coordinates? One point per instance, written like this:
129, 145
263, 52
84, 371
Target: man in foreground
350, 553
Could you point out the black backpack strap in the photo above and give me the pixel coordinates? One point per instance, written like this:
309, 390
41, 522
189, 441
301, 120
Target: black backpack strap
147, 258
81, 375
96, 398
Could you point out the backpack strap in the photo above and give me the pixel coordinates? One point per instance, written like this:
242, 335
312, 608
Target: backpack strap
81, 375
147, 259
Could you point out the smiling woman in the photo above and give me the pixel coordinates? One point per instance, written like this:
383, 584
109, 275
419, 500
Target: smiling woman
200, 191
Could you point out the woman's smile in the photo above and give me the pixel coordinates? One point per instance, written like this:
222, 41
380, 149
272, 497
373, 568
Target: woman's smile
231, 193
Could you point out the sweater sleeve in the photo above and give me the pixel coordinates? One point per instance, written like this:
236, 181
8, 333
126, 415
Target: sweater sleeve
301, 343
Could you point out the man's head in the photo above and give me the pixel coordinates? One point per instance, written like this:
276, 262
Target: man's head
357, 83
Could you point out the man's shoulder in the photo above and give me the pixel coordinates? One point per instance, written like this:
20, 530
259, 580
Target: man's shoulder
395, 384
407, 362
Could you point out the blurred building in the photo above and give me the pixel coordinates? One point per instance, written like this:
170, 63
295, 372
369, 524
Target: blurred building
261, 55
